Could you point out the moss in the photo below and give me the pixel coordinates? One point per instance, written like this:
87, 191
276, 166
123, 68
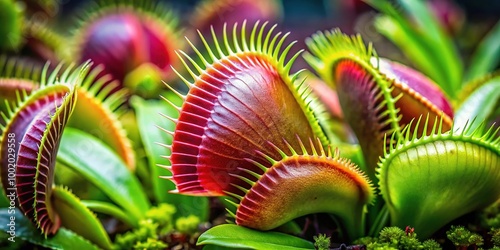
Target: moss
162, 215
431, 245
147, 229
495, 237
365, 241
391, 235
321, 242
460, 236
491, 215
396, 238
187, 225
151, 244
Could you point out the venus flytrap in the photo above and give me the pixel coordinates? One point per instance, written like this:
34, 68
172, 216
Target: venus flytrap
37, 122
94, 93
44, 43
38, 118
19, 77
392, 96
218, 86
260, 161
471, 89
270, 143
214, 15
438, 163
306, 184
16, 76
133, 41
377, 96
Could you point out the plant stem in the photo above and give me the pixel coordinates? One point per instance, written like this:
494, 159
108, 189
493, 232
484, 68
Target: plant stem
380, 221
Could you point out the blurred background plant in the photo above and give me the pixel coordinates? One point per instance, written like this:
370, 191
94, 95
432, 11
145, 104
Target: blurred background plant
137, 42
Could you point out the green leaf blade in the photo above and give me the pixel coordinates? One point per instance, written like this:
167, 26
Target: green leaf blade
444, 48
479, 106
78, 218
109, 209
413, 46
423, 41
63, 239
89, 157
487, 55
148, 117
233, 236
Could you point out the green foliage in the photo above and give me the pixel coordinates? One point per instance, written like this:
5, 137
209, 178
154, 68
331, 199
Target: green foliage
144, 80
396, 238
480, 105
146, 115
162, 215
151, 244
234, 236
11, 19
487, 55
64, 239
431, 245
365, 240
476, 240
460, 236
432, 51
107, 208
74, 215
89, 157
321, 242
391, 235
490, 216
158, 222
409, 242
187, 225
495, 236
147, 119
147, 229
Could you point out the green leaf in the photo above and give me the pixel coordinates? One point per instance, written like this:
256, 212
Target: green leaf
214, 247
148, 120
148, 117
11, 17
413, 46
441, 43
4, 201
229, 235
109, 209
78, 218
487, 55
422, 39
409, 166
94, 160
63, 239
290, 227
479, 106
